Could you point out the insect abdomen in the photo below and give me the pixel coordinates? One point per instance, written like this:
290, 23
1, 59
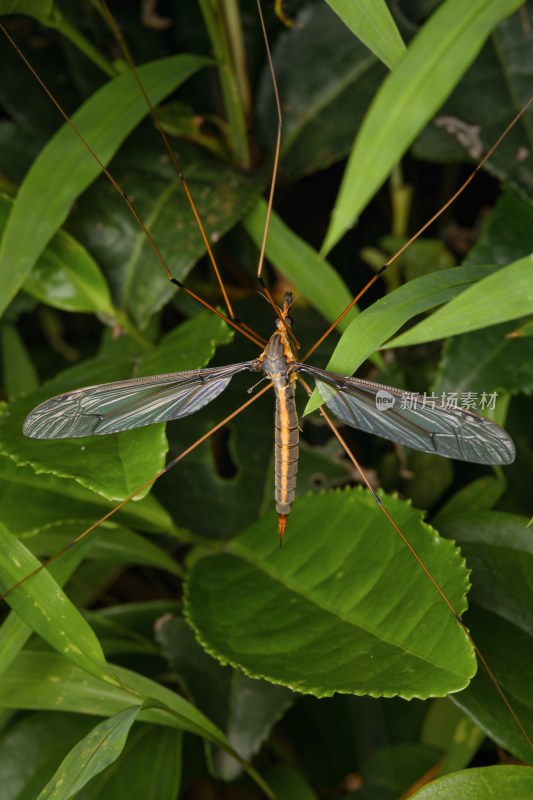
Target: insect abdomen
286, 454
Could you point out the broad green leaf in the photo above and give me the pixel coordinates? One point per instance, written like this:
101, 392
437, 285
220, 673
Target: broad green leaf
65, 276
502, 296
65, 168
55, 500
325, 614
41, 603
245, 709
498, 548
435, 61
95, 752
485, 361
513, 783
371, 21
327, 79
480, 495
376, 324
505, 235
113, 466
294, 258
222, 196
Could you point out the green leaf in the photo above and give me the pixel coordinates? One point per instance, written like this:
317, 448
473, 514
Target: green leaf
39, 600
448, 728
150, 766
115, 465
485, 361
45, 680
397, 767
55, 500
302, 265
14, 633
326, 79
499, 297
371, 21
42, 680
94, 753
117, 545
65, 275
505, 236
325, 614
288, 783
479, 495
513, 783
245, 709
39, 8
64, 168
376, 324
498, 548
19, 373
435, 61
222, 196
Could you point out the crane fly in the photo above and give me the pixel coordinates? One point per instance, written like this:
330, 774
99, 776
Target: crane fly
407, 419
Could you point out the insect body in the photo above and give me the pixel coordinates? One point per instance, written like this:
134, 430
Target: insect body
408, 418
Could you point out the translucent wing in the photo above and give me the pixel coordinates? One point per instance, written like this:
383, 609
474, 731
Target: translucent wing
112, 407
412, 419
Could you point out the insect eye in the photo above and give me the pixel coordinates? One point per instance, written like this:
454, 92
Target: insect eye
288, 320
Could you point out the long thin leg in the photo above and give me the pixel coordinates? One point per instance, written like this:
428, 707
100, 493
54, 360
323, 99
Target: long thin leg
152, 480
420, 562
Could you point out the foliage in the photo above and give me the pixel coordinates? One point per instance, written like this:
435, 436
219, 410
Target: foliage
181, 621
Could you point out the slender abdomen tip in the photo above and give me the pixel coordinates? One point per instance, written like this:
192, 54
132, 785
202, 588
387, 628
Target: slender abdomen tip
282, 524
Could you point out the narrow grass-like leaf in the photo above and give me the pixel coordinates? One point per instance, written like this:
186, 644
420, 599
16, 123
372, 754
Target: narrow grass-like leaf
42, 680
149, 768
94, 753
302, 265
44, 607
432, 66
374, 325
14, 632
65, 168
372, 23
46, 681
502, 296
360, 616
